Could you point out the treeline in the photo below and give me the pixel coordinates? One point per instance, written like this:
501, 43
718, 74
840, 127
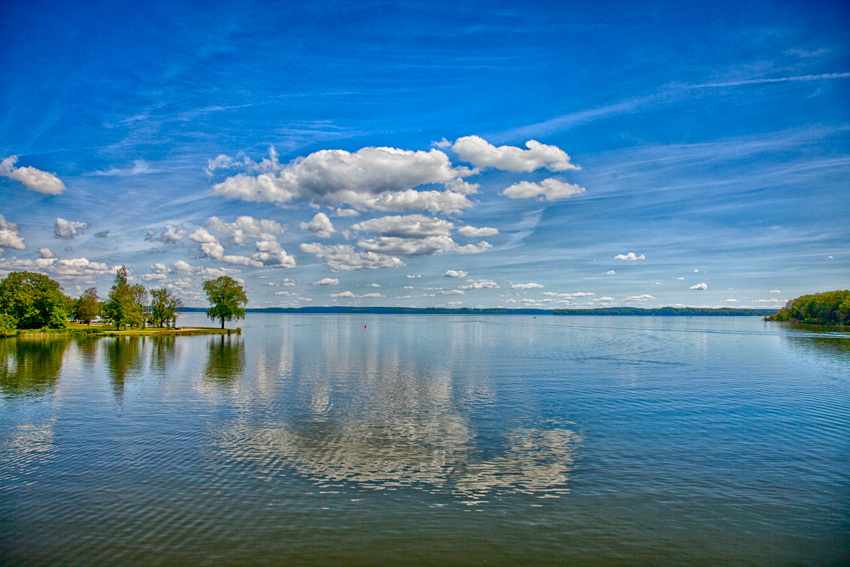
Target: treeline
670, 311
829, 308
29, 300
635, 311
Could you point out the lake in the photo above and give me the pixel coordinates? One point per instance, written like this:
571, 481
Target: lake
430, 440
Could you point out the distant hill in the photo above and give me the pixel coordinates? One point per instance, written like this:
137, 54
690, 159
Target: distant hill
829, 308
630, 311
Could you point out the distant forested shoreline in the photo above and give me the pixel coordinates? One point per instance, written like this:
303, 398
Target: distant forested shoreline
623, 311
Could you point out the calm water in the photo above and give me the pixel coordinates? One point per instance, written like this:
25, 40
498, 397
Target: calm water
313, 440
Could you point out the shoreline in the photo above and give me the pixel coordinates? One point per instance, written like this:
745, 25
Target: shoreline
109, 331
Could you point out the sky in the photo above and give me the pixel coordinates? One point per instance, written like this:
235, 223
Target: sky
458, 154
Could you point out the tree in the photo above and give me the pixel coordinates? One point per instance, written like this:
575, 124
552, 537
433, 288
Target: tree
227, 299
829, 308
8, 325
87, 307
164, 308
33, 300
126, 304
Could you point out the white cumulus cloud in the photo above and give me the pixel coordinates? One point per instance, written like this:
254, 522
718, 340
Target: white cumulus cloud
397, 246
371, 179
699, 286
327, 281
75, 269
526, 285
575, 295
412, 235
321, 226
343, 257
9, 237
480, 284
270, 253
480, 153
183, 267
630, 257
407, 226
455, 274
245, 228
31, 177
471, 231
548, 189
171, 235
345, 294
639, 297
67, 230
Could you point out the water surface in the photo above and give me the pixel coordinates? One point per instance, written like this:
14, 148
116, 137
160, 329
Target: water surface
380, 440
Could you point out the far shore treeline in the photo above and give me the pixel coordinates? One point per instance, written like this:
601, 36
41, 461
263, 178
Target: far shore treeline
635, 311
30, 301
33, 301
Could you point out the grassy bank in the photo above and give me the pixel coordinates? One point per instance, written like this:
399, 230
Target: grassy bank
95, 330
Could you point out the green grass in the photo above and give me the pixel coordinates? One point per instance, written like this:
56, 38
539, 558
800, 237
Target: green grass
103, 330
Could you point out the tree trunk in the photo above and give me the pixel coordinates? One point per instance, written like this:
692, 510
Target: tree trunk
222, 323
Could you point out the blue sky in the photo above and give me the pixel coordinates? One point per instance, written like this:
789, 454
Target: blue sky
469, 154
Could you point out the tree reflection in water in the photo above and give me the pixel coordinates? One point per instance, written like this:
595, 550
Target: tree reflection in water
226, 360
87, 347
30, 367
831, 344
162, 353
123, 358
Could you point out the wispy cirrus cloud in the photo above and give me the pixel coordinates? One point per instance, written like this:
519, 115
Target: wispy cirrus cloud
764, 80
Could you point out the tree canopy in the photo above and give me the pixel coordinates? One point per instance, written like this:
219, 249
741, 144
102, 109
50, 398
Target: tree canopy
126, 304
227, 299
34, 301
829, 308
164, 307
87, 307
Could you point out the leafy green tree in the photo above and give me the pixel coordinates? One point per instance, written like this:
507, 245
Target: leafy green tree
8, 325
126, 303
164, 307
227, 299
87, 307
829, 308
33, 300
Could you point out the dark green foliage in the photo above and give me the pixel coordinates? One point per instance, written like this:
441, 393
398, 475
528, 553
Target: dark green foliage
34, 301
126, 304
829, 308
227, 299
8, 325
87, 307
164, 307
